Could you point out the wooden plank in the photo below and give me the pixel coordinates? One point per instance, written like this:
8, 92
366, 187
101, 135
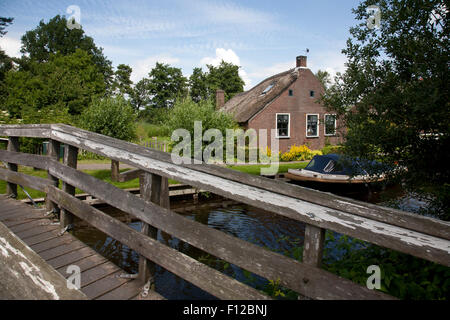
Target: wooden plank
11, 188
85, 258
25, 275
61, 249
313, 245
150, 186
52, 243
115, 170
104, 285
35, 223
129, 175
98, 272
130, 290
17, 178
182, 265
41, 237
34, 232
25, 159
53, 153
26, 130
70, 160
239, 252
161, 163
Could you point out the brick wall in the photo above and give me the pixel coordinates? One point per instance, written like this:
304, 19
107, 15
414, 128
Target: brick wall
298, 106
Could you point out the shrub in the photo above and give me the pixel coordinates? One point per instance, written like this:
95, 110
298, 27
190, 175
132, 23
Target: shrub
297, 153
111, 116
331, 149
185, 112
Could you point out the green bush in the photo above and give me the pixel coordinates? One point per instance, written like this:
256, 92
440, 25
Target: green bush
112, 116
331, 149
185, 112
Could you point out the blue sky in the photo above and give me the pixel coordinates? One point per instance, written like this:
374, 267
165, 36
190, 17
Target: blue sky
263, 37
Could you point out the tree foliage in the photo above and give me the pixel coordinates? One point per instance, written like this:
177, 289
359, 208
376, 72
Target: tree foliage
65, 82
226, 77
4, 22
324, 78
165, 84
112, 116
122, 83
54, 37
198, 88
394, 95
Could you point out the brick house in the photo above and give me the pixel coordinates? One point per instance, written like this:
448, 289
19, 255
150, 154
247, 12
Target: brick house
288, 103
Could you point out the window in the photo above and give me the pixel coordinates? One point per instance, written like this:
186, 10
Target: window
291, 93
283, 125
267, 89
312, 125
330, 124
311, 93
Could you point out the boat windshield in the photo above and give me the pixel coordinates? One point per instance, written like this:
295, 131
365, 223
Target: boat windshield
326, 165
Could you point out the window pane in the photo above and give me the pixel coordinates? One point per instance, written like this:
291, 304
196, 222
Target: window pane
283, 125
330, 124
312, 122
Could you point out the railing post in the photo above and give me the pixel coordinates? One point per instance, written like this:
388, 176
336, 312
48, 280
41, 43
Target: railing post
313, 245
154, 188
13, 145
53, 153
115, 170
70, 159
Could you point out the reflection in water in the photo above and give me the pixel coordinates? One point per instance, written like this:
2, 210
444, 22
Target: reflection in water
261, 228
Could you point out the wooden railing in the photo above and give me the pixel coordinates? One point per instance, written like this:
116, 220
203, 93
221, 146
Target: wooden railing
419, 236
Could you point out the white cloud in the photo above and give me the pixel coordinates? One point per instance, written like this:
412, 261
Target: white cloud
228, 55
141, 68
11, 46
331, 61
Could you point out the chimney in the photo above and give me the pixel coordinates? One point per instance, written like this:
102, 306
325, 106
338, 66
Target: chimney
220, 98
301, 61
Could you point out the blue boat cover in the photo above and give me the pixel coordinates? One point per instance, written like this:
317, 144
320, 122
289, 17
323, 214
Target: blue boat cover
342, 165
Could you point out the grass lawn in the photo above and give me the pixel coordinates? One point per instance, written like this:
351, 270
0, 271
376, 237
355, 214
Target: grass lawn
255, 169
105, 175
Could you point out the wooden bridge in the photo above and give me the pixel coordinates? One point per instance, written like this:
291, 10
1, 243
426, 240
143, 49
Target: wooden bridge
419, 236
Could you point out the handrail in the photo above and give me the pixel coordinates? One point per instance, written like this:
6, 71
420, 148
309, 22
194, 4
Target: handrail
419, 236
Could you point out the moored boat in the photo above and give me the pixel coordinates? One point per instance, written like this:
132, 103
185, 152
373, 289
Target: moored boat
337, 169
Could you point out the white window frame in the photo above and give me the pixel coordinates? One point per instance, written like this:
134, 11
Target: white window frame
325, 127
306, 125
289, 125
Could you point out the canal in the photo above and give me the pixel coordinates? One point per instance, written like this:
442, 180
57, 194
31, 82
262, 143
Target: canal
257, 226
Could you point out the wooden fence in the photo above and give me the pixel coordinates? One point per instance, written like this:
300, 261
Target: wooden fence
419, 236
153, 143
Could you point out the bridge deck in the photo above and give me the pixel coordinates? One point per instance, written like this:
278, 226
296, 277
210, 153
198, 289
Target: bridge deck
98, 275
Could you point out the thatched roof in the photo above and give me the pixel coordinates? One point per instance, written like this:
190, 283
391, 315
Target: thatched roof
245, 105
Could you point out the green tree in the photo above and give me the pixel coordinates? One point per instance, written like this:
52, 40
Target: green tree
226, 77
324, 78
122, 83
4, 22
111, 116
198, 87
6, 63
54, 37
165, 85
140, 95
394, 95
185, 112
64, 82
